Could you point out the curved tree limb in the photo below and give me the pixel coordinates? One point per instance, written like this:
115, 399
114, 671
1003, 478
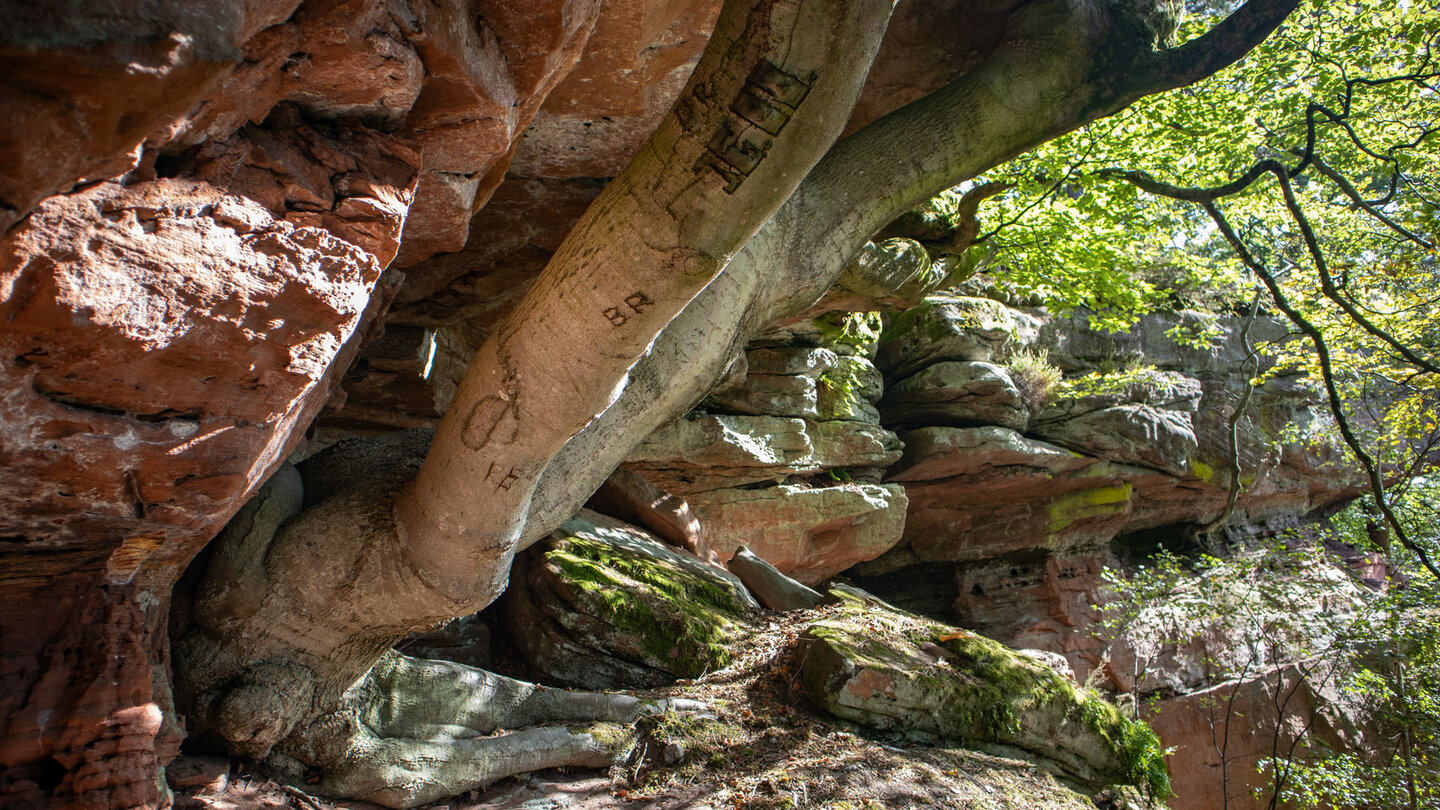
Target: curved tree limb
1232, 495
1327, 373
1216, 49
894, 164
729, 218
1371, 207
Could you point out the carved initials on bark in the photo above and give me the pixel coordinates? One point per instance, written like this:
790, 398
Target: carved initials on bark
503, 481
636, 301
758, 112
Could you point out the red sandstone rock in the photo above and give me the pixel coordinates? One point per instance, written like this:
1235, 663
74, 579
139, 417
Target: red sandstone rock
165, 346
92, 80
166, 342
809, 533
486, 77
1239, 717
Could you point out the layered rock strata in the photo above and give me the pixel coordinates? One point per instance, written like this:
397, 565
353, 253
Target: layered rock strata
1021, 498
1135, 437
787, 460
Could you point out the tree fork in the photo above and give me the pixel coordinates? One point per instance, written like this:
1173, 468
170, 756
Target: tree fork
756, 114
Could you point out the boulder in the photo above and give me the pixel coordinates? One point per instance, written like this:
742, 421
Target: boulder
773, 589
933, 453
600, 604
850, 391
887, 274
978, 493
1141, 435
1239, 718
951, 328
803, 381
1136, 438
809, 533
894, 672
769, 395
629, 497
807, 361
704, 452
956, 393
168, 343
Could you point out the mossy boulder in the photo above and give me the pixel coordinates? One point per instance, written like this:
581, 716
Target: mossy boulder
600, 604
892, 671
951, 328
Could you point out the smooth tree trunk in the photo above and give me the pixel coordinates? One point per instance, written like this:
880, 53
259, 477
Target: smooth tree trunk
731, 217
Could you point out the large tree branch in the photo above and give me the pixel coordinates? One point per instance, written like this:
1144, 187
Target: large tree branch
754, 117
1327, 377
1032, 89
1213, 51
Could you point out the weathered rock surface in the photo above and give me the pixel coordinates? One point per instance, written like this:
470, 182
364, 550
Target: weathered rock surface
1145, 419
629, 497
600, 604
196, 215
803, 493
169, 341
851, 391
770, 587
887, 274
952, 328
699, 453
1112, 452
93, 82
1011, 523
889, 671
195, 220
810, 533
956, 393
1239, 717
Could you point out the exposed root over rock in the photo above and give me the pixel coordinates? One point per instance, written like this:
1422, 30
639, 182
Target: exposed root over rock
415, 731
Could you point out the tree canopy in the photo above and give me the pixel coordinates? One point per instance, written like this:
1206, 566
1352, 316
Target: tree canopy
1305, 173
1301, 183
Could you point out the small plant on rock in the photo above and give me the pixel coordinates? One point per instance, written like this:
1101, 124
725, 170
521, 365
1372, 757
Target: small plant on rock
1035, 376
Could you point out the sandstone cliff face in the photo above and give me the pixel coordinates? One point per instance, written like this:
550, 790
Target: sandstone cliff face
1017, 506
787, 459
199, 207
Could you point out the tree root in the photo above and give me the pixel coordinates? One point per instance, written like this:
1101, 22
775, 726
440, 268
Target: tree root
414, 731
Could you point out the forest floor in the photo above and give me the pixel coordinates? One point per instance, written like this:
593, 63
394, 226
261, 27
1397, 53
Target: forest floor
760, 744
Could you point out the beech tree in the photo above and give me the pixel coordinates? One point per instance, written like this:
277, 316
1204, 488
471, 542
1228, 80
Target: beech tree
739, 211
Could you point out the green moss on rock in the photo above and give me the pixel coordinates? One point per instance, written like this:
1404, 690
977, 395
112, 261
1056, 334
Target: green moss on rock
600, 604
897, 672
682, 622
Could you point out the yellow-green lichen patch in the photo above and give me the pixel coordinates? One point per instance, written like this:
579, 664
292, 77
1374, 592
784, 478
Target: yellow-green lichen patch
1074, 507
859, 330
